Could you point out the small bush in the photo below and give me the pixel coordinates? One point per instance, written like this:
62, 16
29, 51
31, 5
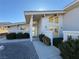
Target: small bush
26, 35
22, 36
11, 36
70, 49
41, 37
46, 40
57, 41
19, 35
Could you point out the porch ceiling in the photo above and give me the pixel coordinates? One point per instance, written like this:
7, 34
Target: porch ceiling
36, 18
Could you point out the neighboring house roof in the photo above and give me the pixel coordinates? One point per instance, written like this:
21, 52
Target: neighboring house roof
11, 24
18, 23
4, 23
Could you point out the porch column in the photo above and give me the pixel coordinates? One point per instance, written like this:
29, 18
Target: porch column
31, 23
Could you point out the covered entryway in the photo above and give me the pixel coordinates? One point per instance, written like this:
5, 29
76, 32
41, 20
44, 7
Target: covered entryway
33, 21
45, 22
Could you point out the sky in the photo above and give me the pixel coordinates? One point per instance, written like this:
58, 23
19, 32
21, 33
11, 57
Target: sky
13, 10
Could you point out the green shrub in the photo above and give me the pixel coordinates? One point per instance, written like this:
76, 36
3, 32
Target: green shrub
11, 36
70, 49
19, 35
26, 35
41, 37
57, 41
46, 40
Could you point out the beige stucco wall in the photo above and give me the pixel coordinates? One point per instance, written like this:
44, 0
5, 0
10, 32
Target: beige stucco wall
44, 26
71, 20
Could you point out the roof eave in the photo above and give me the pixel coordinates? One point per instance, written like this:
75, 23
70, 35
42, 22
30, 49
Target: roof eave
72, 5
43, 12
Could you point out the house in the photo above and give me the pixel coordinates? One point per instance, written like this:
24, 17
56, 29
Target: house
17, 27
55, 23
3, 29
13, 27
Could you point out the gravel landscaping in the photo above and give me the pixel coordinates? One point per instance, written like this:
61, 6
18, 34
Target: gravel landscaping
18, 50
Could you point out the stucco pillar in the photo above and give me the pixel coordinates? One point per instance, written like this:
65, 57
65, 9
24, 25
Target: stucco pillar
31, 23
50, 35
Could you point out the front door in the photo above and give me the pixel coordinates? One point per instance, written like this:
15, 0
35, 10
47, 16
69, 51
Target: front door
34, 31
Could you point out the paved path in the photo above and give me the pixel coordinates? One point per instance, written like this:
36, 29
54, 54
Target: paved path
46, 52
18, 50
43, 51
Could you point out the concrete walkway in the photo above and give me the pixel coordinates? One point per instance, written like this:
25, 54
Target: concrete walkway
46, 52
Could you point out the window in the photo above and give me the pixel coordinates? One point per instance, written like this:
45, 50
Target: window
56, 19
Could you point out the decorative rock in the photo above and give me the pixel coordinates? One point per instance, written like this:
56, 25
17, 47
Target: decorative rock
1, 47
